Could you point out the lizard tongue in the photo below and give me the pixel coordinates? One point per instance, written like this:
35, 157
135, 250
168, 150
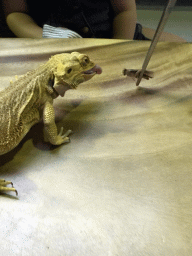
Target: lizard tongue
97, 69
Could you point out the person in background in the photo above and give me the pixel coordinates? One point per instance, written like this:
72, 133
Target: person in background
80, 18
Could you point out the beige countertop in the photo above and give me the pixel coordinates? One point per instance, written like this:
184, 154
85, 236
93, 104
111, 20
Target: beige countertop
123, 184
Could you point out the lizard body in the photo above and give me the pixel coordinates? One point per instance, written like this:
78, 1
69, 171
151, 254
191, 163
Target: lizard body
30, 98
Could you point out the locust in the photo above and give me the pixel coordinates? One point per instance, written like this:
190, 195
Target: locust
134, 73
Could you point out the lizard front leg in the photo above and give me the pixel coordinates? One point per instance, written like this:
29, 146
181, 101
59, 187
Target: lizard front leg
3, 187
50, 128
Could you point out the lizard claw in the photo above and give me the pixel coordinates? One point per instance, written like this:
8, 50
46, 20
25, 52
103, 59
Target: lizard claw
3, 188
63, 138
61, 132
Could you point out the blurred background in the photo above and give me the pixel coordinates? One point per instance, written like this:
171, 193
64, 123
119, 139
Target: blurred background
180, 20
149, 13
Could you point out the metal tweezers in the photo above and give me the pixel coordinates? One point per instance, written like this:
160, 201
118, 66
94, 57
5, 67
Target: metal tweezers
159, 30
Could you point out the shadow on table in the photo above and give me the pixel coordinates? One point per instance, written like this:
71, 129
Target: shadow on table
61, 113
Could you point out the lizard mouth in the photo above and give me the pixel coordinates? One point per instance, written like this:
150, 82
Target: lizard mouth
61, 87
95, 70
88, 74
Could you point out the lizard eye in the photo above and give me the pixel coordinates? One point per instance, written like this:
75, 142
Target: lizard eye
85, 61
69, 70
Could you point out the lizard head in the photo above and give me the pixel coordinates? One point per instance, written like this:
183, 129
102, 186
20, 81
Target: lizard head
71, 70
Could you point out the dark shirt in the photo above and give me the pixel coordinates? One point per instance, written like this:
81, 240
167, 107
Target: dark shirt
89, 18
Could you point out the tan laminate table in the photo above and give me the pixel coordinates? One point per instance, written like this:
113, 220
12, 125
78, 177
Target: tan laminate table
123, 184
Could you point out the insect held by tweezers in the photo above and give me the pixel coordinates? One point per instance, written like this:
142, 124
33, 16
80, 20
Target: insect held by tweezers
134, 73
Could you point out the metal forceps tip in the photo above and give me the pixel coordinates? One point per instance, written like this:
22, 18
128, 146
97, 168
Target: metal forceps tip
158, 32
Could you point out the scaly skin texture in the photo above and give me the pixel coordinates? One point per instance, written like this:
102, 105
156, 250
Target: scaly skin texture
30, 98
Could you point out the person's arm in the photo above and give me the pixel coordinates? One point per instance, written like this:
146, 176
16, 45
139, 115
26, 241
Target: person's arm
19, 22
125, 19
22, 25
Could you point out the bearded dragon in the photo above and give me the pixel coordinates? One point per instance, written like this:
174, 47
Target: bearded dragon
30, 98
